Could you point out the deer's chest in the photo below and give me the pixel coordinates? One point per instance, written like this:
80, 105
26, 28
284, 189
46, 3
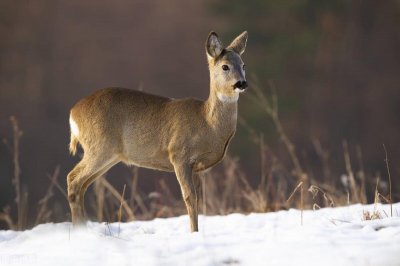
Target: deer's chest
211, 152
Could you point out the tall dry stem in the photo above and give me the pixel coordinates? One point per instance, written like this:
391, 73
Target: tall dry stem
300, 185
270, 106
6, 218
119, 198
44, 211
120, 209
21, 196
361, 175
350, 172
324, 157
390, 181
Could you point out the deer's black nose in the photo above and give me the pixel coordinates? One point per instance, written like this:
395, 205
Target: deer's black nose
240, 85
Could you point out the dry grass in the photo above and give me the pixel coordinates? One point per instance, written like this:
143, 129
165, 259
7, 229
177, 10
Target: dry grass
21, 195
226, 189
390, 181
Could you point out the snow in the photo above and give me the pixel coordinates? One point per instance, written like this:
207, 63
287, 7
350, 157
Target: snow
330, 236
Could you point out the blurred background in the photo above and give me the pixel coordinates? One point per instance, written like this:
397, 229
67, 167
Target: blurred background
335, 66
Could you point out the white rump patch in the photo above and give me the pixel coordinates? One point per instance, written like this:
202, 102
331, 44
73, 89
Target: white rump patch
227, 98
74, 127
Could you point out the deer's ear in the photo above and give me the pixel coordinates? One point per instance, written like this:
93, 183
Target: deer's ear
239, 44
213, 45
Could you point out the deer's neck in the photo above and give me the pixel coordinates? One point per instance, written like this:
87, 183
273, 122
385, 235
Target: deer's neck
221, 112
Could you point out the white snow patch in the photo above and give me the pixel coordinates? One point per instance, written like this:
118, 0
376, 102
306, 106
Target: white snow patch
331, 236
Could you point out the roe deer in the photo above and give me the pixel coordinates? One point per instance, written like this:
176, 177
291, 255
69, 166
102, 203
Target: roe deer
184, 136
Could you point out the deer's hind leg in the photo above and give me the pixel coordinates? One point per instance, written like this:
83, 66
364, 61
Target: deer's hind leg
84, 173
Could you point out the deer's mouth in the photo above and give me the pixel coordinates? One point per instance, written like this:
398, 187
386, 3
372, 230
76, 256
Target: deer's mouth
239, 90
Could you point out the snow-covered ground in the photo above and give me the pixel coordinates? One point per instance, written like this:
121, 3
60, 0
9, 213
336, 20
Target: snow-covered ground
331, 236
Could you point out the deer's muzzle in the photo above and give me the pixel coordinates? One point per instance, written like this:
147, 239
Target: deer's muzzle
240, 85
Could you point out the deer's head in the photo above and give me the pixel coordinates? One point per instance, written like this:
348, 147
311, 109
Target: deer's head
227, 70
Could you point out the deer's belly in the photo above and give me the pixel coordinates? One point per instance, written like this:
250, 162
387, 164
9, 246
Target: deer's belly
152, 164
157, 161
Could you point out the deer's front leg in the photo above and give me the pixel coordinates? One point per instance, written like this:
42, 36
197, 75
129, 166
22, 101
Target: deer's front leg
184, 175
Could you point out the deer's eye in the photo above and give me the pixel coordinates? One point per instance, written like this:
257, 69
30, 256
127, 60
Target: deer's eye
225, 67
244, 67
